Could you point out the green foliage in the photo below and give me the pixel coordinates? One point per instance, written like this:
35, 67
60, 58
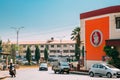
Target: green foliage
28, 55
77, 52
76, 35
46, 54
0, 46
114, 54
111, 52
37, 54
13, 52
115, 62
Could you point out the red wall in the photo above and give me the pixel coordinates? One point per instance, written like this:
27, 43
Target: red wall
102, 24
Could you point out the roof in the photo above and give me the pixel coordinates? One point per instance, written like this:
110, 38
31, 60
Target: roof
113, 42
107, 10
47, 42
5, 53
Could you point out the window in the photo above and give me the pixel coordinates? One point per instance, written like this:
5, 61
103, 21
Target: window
42, 46
42, 51
72, 51
117, 22
52, 46
65, 51
52, 51
58, 51
58, 45
95, 66
100, 66
65, 45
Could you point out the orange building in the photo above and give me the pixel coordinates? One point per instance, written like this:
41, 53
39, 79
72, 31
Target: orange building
99, 28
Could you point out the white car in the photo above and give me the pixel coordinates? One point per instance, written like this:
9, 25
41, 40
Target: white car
102, 69
43, 66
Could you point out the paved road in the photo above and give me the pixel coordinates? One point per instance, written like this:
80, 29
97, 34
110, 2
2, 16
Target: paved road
34, 74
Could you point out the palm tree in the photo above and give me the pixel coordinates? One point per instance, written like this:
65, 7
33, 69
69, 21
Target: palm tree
76, 35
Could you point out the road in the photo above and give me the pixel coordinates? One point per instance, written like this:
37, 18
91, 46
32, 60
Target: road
35, 74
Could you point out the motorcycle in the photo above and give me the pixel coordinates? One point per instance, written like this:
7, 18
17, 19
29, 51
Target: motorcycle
12, 72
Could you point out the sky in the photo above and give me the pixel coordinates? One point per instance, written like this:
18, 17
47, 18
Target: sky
43, 19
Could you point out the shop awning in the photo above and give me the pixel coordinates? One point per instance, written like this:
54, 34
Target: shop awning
113, 42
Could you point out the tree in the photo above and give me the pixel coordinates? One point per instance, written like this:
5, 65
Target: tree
77, 52
37, 54
13, 52
46, 54
76, 36
6, 46
114, 54
21, 49
0, 46
28, 55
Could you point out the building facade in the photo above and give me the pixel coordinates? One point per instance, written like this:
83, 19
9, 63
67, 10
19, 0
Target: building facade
99, 28
55, 47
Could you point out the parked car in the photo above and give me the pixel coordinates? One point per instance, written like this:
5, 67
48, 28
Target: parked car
43, 66
102, 69
61, 67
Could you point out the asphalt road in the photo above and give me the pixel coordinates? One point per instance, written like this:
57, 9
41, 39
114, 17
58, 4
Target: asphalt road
35, 74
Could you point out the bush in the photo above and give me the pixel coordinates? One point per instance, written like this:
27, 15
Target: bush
115, 62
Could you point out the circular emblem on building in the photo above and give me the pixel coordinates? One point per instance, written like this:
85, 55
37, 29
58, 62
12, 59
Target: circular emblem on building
96, 38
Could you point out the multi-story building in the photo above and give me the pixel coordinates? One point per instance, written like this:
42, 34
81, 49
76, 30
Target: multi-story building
99, 28
55, 47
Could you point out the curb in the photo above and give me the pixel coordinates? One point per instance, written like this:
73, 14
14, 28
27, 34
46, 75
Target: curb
78, 72
3, 74
3, 77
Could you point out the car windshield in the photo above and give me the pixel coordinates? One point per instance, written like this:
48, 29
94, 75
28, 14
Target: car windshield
43, 65
110, 66
64, 64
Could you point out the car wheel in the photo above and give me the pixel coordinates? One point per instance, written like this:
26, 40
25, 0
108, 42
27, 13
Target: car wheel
55, 72
91, 74
68, 72
100, 75
60, 72
109, 75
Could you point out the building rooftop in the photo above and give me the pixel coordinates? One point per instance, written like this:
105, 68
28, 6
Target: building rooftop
107, 10
46, 42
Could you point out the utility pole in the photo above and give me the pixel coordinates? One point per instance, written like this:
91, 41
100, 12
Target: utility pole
17, 31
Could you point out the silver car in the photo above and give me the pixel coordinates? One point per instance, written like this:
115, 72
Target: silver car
102, 69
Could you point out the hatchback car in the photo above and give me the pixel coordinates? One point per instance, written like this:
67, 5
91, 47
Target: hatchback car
104, 70
43, 66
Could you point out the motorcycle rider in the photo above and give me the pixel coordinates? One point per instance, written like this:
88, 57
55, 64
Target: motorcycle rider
12, 70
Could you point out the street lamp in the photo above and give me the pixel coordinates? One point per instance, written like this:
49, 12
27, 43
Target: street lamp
17, 31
